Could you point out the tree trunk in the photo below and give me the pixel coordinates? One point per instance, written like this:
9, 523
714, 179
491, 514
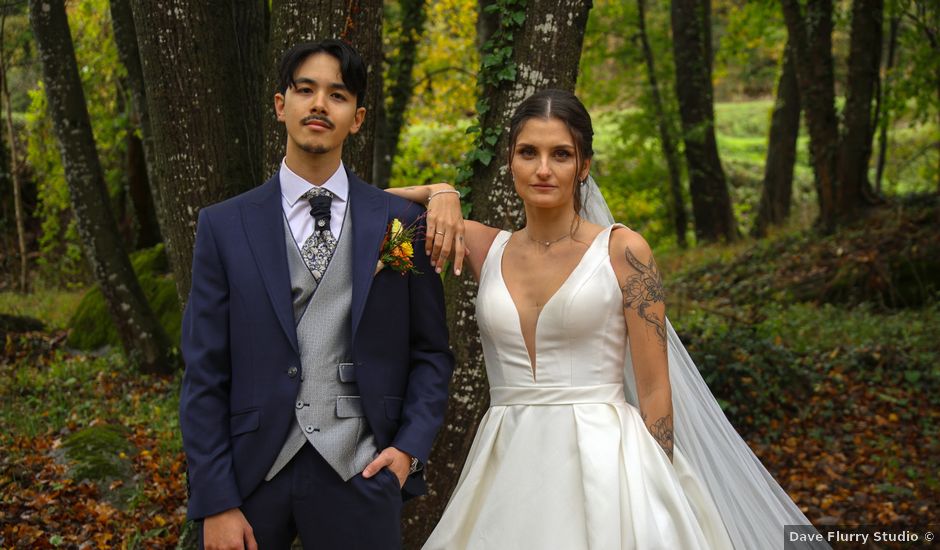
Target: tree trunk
884, 115
145, 343
545, 50
677, 204
774, 206
711, 201
402, 86
138, 187
14, 162
140, 153
358, 22
811, 39
854, 190
201, 63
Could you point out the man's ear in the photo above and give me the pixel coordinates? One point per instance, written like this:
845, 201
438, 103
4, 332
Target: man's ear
279, 106
358, 120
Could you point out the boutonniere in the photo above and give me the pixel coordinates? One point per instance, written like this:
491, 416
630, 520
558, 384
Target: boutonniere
398, 248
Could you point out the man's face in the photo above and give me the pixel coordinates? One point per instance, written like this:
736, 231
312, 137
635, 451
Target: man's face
319, 111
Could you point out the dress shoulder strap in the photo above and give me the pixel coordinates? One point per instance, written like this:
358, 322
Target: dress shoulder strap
495, 251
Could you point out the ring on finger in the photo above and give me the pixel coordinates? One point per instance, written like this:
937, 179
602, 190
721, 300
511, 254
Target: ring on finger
439, 233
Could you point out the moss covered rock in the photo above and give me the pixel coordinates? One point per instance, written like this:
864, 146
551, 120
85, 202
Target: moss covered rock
91, 326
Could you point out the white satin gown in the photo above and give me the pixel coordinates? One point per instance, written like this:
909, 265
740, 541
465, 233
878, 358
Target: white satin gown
561, 460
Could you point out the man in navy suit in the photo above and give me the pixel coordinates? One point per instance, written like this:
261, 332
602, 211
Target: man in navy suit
315, 379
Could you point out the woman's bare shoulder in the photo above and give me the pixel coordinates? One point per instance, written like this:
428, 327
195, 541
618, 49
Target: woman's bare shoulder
478, 239
629, 252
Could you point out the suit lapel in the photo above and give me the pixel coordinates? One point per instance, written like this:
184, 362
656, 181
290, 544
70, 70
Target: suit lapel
369, 209
264, 225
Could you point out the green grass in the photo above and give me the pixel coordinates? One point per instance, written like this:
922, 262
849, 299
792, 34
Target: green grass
809, 328
53, 307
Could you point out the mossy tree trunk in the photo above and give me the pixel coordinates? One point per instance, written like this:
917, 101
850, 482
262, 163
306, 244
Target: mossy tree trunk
711, 201
358, 22
202, 65
777, 190
545, 51
145, 343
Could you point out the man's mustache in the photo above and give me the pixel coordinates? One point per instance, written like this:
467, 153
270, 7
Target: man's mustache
323, 119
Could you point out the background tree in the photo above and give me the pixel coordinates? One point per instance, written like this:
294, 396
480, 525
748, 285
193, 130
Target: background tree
854, 189
358, 22
692, 49
677, 205
141, 174
409, 26
840, 162
144, 340
13, 167
882, 110
533, 47
201, 63
777, 188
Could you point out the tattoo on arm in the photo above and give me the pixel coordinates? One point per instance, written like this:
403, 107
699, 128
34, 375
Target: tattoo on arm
644, 289
661, 431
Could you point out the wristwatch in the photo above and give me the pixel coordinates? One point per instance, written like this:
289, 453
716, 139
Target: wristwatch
415, 465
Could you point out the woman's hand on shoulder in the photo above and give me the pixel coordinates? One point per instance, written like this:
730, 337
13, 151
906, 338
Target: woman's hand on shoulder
445, 223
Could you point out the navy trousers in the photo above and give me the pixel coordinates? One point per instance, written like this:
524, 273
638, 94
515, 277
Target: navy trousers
308, 498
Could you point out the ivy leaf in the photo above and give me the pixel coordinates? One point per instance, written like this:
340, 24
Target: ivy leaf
518, 17
507, 73
491, 139
485, 156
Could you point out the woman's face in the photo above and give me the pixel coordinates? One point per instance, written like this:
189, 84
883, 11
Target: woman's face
544, 164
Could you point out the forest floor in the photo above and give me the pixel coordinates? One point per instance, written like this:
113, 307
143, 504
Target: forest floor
823, 351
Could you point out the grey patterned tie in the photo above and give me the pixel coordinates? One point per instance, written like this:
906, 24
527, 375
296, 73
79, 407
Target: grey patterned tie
318, 248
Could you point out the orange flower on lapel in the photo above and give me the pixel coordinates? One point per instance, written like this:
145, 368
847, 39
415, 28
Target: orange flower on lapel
397, 250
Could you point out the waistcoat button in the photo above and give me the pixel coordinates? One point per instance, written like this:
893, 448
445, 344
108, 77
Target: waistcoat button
292, 372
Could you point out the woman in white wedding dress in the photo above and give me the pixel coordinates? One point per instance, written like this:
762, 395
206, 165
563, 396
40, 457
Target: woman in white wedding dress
577, 449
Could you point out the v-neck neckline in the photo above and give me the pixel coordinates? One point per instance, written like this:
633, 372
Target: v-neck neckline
533, 356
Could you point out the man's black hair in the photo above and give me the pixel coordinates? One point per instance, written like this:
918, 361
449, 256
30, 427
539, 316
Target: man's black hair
351, 67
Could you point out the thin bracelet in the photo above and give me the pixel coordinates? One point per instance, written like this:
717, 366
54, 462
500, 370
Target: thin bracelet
431, 196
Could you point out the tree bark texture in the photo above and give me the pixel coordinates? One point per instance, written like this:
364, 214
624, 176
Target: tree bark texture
358, 22
854, 190
201, 62
546, 51
401, 87
145, 343
810, 36
677, 204
774, 207
711, 201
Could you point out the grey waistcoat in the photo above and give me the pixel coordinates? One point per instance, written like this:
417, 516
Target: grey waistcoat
328, 408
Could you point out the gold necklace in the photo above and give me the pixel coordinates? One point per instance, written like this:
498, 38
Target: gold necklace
546, 244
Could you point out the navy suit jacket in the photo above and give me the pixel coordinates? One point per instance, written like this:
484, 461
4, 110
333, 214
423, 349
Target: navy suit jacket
239, 343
